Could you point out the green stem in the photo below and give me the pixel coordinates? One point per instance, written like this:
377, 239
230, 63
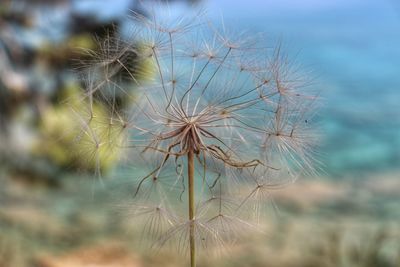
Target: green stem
190, 157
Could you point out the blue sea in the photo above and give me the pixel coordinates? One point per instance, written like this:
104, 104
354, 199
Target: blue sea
351, 49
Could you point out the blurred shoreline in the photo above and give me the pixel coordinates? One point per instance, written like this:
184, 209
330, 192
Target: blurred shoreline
79, 223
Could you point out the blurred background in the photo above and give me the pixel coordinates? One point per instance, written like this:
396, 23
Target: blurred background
52, 213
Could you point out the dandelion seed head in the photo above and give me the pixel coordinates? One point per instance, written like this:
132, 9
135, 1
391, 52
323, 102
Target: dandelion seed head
236, 106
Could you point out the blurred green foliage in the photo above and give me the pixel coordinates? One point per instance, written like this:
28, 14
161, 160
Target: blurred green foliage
41, 82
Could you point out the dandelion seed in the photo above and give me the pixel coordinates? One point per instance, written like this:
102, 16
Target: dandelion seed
216, 119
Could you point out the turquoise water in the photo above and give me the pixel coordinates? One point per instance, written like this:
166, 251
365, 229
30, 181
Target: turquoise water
352, 49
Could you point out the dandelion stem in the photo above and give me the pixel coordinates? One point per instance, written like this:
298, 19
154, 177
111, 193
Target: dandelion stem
190, 157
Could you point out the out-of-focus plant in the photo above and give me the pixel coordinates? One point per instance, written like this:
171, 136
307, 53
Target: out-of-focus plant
35, 70
38, 49
222, 118
70, 149
377, 248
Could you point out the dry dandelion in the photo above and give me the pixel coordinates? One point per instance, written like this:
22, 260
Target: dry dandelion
219, 123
